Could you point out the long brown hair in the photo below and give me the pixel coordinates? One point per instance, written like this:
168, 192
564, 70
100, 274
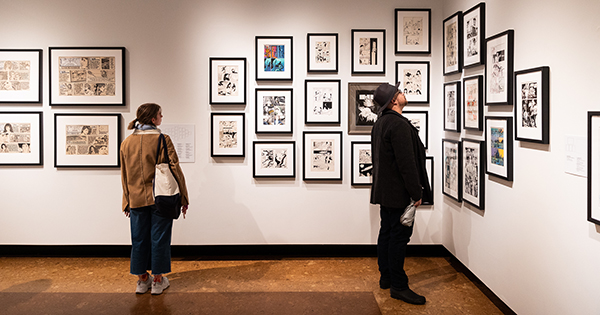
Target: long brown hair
144, 114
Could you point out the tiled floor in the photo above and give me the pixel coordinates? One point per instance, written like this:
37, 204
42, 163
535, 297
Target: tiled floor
282, 286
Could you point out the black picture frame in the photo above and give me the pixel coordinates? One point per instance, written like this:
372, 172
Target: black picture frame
474, 36
223, 79
430, 168
414, 78
328, 160
361, 173
21, 138
216, 138
532, 107
362, 109
452, 44
273, 159
360, 49
277, 68
499, 68
25, 86
593, 167
499, 147
452, 101
452, 169
410, 26
419, 119
316, 101
326, 54
473, 103
276, 114
473, 174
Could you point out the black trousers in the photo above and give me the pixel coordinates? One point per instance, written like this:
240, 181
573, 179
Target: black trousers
391, 247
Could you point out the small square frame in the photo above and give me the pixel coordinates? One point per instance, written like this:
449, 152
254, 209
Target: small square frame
453, 44
322, 58
414, 80
324, 162
272, 64
473, 176
9, 92
278, 166
361, 118
473, 103
419, 119
274, 118
366, 57
227, 86
25, 147
412, 37
452, 106
536, 100
474, 36
499, 68
499, 136
221, 147
452, 169
362, 165
316, 99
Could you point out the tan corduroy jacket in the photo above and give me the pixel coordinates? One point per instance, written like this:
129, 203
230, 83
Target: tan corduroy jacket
138, 157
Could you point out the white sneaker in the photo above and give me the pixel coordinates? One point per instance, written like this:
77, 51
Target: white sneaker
159, 287
143, 286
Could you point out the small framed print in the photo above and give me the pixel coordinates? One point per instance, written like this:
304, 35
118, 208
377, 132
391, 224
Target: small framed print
473, 158
499, 147
322, 52
362, 109
412, 31
227, 80
274, 111
21, 140
274, 159
532, 109
274, 58
368, 51
87, 140
322, 155
593, 168
227, 135
419, 119
451, 106
361, 163
20, 76
453, 44
499, 69
87, 75
430, 173
473, 103
452, 169
413, 77
474, 36
322, 101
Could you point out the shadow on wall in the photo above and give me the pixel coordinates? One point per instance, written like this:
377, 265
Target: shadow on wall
375, 222
461, 230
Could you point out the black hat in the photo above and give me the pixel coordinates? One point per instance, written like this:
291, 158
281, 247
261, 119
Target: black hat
384, 95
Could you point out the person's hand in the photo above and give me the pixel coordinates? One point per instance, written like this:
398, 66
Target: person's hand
127, 213
184, 210
418, 203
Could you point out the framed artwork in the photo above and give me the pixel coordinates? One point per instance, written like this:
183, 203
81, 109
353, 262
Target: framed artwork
322, 52
499, 147
412, 31
274, 58
20, 76
453, 44
532, 108
451, 106
429, 168
362, 109
322, 101
21, 141
274, 111
419, 119
473, 103
413, 77
227, 80
473, 179
499, 69
274, 159
368, 51
227, 135
87, 75
452, 169
361, 163
474, 36
322, 155
593, 170
87, 140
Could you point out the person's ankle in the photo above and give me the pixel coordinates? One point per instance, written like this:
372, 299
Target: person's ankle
158, 278
144, 277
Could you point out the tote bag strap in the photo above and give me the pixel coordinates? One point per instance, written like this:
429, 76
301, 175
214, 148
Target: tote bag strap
161, 140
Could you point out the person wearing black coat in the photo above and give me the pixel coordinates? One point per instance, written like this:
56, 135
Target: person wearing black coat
399, 177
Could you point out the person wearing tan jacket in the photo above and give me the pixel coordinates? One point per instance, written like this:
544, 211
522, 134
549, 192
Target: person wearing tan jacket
150, 232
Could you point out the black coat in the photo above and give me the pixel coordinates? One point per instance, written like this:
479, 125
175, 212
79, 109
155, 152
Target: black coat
399, 172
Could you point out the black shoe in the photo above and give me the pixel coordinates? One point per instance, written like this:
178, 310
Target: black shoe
407, 296
385, 284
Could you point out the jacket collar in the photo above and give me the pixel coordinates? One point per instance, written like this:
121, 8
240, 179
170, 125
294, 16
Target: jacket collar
388, 111
147, 132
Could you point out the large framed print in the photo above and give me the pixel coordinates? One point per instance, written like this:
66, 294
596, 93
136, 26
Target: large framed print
452, 106
419, 119
413, 77
87, 140
361, 163
474, 36
473, 103
499, 69
368, 51
453, 44
322, 101
227, 81
429, 167
227, 135
362, 109
274, 159
21, 140
593, 171
452, 169
412, 31
473, 165
322, 52
20, 76
274, 111
499, 147
274, 58
322, 155
532, 108
87, 75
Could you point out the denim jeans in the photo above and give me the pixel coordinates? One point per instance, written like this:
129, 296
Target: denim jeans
391, 247
150, 242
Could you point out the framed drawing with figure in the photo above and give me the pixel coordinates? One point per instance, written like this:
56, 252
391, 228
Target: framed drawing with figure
412, 31
274, 58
